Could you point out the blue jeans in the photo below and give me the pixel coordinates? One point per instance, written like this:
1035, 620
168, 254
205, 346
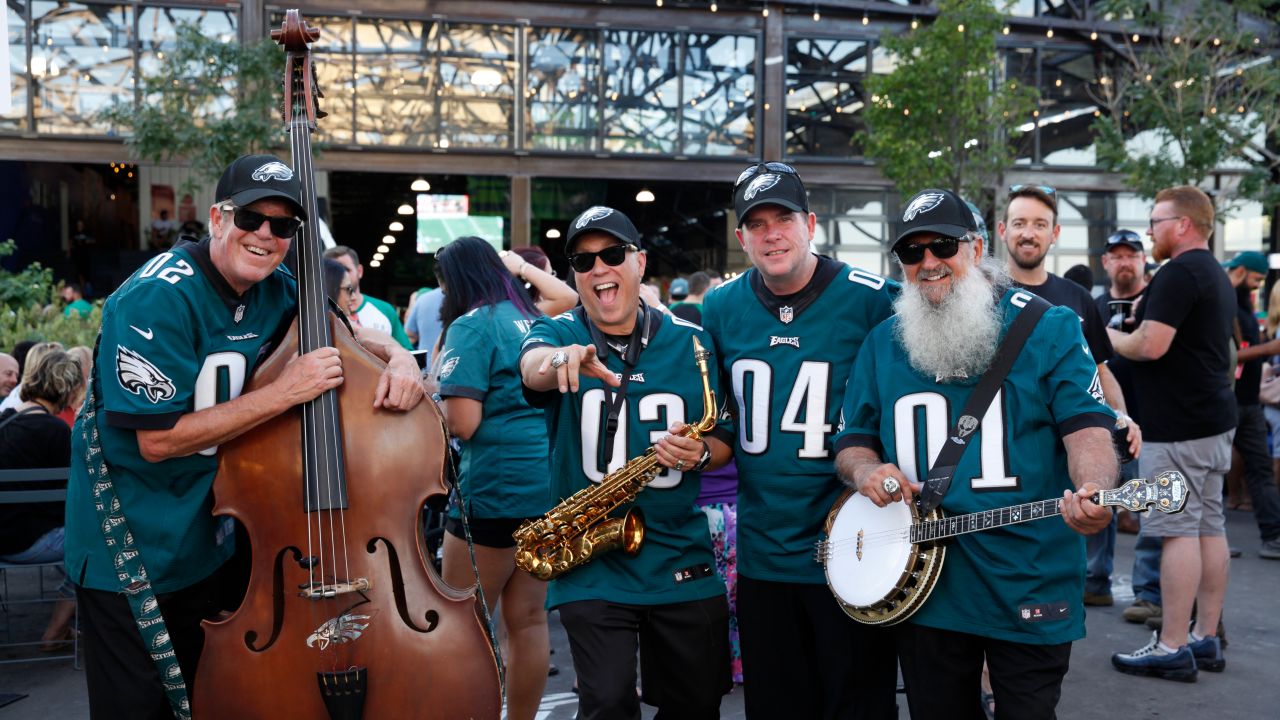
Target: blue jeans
48, 548
1100, 548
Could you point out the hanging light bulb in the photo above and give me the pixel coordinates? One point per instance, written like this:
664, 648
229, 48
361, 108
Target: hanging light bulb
714, 7
420, 185
915, 23
644, 196
1093, 36
1048, 33
865, 20
378, 257
405, 209
383, 249
554, 234
765, 11
817, 17
960, 27
395, 226
375, 263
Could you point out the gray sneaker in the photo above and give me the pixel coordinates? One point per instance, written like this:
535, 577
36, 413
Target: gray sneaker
1270, 549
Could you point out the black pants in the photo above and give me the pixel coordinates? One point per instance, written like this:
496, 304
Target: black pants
943, 673
802, 657
123, 681
684, 657
1259, 478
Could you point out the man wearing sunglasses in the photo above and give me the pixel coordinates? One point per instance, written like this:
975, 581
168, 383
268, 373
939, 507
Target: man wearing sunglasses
1012, 595
617, 377
179, 339
787, 331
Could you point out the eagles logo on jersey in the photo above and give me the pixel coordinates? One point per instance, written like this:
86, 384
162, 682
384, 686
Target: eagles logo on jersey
760, 184
922, 204
593, 214
139, 376
272, 171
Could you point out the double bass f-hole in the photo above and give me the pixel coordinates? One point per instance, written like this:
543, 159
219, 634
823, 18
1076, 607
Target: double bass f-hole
343, 616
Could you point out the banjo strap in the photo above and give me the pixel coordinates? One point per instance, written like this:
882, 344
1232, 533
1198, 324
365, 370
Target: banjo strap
944, 466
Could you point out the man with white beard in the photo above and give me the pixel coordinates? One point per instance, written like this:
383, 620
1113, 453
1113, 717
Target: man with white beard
1012, 594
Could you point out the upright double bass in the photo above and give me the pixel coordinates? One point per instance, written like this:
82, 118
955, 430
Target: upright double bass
343, 617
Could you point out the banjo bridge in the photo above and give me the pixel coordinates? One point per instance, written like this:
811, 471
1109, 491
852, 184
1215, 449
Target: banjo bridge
860, 532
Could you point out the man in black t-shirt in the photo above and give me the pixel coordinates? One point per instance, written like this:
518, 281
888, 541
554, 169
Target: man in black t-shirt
1183, 372
1246, 271
1029, 229
1125, 260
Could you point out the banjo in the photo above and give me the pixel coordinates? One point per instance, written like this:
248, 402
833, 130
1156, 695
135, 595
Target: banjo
882, 562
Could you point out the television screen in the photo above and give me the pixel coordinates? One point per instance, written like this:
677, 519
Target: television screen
444, 218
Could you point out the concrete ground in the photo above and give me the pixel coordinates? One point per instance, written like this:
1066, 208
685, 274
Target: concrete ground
1249, 688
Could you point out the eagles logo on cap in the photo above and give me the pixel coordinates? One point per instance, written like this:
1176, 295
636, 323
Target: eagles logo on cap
760, 184
923, 203
272, 171
598, 212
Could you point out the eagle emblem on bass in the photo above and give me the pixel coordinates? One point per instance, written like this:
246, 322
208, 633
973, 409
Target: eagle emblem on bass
139, 376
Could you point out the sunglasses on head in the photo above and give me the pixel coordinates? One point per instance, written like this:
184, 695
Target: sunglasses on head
1020, 189
767, 167
249, 221
612, 256
942, 248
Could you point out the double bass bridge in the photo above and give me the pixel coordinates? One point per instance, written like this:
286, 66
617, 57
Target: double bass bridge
324, 591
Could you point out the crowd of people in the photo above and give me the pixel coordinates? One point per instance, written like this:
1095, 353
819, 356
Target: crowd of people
830, 379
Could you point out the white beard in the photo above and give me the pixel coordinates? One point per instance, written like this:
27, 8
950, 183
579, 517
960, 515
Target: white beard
957, 337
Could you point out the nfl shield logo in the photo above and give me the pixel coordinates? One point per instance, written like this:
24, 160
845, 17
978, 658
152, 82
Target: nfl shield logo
786, 314
1026, 613
239, 313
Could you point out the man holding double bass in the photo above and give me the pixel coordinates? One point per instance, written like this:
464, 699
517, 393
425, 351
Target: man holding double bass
179, 339
1013, 594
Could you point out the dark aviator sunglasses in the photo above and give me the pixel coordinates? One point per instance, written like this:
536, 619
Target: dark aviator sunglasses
942, 248
249, 221
612, 256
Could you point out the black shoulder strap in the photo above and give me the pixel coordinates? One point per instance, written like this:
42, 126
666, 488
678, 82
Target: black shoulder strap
939, 479
17, 413
647, 322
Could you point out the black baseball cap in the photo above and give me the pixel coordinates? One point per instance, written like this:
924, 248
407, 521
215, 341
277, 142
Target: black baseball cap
771, 183
602, 219
1126, 238
251, 178
936, 211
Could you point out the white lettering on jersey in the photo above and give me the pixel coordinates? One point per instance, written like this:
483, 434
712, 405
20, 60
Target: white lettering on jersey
994, 461
171, 275
792, 341
246, 336
635, 377
140, 376
227, 366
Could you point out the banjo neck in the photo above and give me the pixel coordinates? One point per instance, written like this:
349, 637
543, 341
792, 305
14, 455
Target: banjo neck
1164, 492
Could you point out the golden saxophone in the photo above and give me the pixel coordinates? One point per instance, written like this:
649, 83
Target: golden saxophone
580, 528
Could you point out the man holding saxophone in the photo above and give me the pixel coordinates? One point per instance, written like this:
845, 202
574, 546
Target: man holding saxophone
619, 380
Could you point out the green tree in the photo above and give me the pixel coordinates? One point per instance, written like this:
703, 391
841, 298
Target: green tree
945, 117
1200, 94
29, 309
207, 102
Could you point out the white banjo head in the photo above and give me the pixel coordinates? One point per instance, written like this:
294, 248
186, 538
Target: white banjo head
867, 550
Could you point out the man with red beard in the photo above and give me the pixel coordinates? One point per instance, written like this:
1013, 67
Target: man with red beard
618, 377
1012, 594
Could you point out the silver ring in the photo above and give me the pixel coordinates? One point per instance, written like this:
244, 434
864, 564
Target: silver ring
890, 485
559, 358
680, 465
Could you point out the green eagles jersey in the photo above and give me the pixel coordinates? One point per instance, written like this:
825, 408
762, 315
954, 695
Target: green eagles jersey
675, 562
504, 465
1022, 583
175, 339
788, 359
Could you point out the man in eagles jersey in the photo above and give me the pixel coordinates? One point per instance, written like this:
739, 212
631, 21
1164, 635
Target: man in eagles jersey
617, 377
1013, 594
787, 332
179, 339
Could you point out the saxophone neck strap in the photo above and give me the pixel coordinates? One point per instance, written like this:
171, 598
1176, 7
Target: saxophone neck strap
938, 481
647, 322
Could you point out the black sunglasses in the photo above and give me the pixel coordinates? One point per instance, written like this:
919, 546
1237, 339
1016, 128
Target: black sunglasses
942, 248
768, 166
1018, 190
612, 256
282, 227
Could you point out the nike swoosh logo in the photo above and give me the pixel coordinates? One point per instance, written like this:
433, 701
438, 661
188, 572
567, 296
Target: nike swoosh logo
144, 333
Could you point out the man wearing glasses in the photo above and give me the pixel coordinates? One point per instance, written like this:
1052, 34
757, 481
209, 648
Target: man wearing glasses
179, 339
1014, 594
617, 377
787, 332
1183, 370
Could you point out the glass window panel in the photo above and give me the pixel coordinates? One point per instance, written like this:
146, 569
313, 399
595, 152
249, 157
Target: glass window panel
563, 73
1245, 227
395, 86
475, 101
1066, 109
641, 91
825, 96
1020, 68
157, 36
719, 94
82, 61
16, 119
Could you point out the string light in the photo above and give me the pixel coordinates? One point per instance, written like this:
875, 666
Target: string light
865, 20
960, 27
1135, 37
915, 23
1005, 30
714, 8
659, 3
765, 11
1093, 36
817, 16
1049, 33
